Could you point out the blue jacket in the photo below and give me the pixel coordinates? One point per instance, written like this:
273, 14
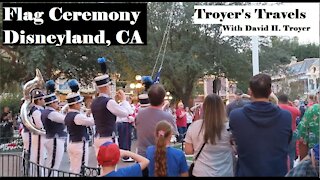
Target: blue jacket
262, 132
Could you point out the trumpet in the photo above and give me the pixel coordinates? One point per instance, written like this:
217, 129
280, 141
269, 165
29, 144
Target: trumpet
64, 109
195, 107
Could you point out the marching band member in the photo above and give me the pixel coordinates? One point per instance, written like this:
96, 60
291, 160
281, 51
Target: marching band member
53, 122
26, 138
37, 141
105, 110
74, 86
124, 129
142, 104
77, 123
87, 104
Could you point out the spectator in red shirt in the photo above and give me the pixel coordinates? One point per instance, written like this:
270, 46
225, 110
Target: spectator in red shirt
284, 104
181, 121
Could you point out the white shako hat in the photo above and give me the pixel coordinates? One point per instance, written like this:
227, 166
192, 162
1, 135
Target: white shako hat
144, 100
73, 98
103, 80
37, 94
50, 99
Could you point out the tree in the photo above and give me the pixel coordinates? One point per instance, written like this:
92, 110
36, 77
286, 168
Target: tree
192, 50
276, 56
277, 51
306, 51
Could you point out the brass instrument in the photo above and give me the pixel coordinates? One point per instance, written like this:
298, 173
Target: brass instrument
36, 83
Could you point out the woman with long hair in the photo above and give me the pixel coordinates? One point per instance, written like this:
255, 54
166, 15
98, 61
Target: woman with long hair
165, 160
211, 133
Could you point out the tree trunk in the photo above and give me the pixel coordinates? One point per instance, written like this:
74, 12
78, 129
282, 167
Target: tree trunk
185, 99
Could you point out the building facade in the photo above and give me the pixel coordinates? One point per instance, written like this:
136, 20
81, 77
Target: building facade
299, 78
225, 88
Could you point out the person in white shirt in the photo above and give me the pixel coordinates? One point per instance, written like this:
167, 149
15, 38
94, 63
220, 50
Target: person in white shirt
77, 123
56, 135
37, 141
189, 117
124, 129
105, 110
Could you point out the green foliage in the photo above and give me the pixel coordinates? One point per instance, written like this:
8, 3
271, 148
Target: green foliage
296, 89
306, 51
279, 51
11, 100
192, 51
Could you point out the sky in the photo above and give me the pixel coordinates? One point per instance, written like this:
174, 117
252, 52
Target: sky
309, 38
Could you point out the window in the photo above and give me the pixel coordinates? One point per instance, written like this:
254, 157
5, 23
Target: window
305, 85
311, 84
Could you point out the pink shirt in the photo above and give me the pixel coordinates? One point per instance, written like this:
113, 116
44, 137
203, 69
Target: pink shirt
181, 122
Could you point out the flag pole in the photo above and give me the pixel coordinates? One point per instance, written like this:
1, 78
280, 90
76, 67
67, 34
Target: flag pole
255, 55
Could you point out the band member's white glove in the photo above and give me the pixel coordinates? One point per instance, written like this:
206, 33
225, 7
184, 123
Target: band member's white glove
130, 119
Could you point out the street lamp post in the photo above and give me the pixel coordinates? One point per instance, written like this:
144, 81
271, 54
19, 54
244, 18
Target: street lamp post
132, 86
138, 77
136, 86
168, 96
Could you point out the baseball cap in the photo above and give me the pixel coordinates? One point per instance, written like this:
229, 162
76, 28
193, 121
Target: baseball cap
109, 154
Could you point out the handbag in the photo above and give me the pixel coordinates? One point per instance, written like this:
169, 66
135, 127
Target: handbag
192, 164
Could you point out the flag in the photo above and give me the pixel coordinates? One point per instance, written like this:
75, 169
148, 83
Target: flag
157, 78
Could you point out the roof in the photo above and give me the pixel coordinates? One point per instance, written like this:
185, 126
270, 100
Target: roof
316, 63
303, 66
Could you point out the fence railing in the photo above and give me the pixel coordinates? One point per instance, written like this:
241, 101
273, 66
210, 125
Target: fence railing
13, 165
90, 171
